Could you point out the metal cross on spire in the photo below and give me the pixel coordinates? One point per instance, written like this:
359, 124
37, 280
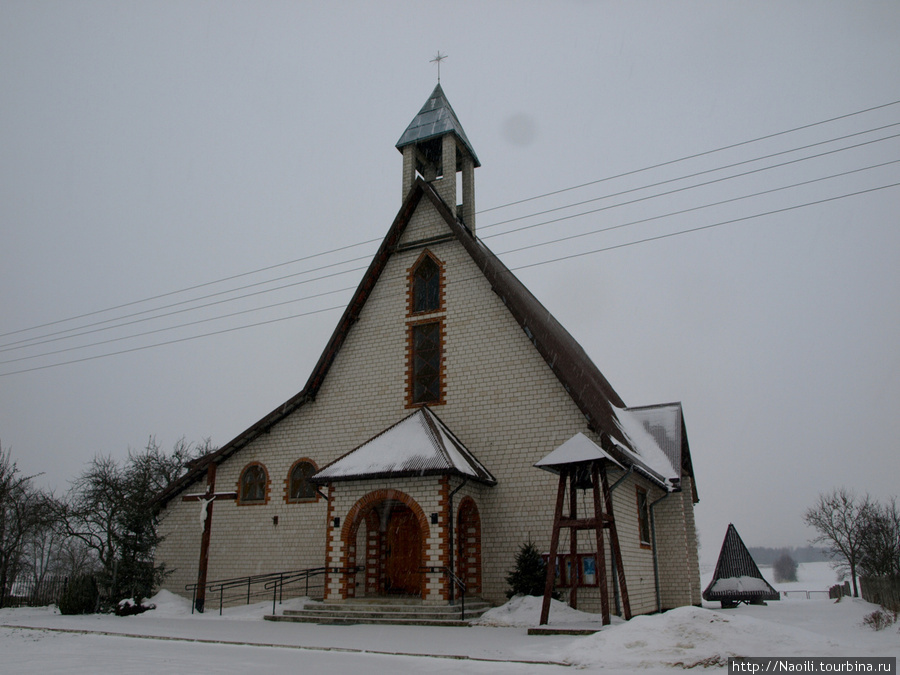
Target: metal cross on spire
437, 59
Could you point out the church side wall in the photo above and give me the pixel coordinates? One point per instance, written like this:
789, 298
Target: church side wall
499, 397
693, 543
678, 559
637, 558
247, 539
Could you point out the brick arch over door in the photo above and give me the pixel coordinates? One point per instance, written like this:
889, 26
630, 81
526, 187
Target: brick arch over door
364, 510
468, 530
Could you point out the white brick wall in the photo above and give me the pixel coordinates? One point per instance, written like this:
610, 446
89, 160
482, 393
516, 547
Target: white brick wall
501, 400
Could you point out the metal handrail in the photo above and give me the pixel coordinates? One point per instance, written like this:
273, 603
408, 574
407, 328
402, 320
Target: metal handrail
221, 585
277, 585
460, 584
285, 578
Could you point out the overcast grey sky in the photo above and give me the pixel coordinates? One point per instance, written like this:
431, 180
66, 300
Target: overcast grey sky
148, 147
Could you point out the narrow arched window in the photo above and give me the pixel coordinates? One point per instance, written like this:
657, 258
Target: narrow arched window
426, 286
300, 487
253, 485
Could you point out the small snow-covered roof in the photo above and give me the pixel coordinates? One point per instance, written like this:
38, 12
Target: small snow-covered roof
737, 577
654, 447
664, 423
418, 445
648, 438
579, 448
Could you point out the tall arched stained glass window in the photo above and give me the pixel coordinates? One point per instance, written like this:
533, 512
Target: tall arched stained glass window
426, 282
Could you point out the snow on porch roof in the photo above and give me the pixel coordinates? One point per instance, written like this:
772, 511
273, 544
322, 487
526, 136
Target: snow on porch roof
579, 448
419, 445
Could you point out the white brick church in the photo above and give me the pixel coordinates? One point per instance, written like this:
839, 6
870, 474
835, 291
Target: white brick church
410, 452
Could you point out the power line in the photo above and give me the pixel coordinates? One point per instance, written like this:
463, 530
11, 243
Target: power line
694, 156
191, 288
702, 227
720, 168
36, 341
494, 208
172, 342
695, 208
519, 267
688, 187
176, 327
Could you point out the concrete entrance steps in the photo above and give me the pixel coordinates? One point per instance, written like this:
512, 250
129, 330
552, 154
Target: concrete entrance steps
396, 611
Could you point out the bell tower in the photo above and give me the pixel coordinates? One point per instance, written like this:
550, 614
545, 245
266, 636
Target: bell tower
435, 147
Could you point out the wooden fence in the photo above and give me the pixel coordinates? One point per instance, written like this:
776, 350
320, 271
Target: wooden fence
884, 591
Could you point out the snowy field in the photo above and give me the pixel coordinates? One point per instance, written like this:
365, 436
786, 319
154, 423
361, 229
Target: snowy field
172, 640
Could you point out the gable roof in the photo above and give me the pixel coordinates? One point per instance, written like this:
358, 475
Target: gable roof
582, 380
418, 445
664, 422
737, 578
436, 118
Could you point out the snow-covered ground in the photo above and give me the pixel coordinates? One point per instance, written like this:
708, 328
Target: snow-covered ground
170, 639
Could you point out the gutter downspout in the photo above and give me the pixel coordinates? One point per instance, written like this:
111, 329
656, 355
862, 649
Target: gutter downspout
655, 552
613, 553
450, 525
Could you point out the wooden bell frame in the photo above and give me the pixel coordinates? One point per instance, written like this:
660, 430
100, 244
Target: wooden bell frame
573, 475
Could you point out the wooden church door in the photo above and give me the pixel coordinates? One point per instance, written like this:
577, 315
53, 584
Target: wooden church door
403, 554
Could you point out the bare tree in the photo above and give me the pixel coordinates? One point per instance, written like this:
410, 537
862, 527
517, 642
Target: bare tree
75, 558
43, 545
881, 541
109, 510
839, 518
23, 509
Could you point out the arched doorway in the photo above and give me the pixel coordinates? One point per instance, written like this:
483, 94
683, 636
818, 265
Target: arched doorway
386, 535
468, 564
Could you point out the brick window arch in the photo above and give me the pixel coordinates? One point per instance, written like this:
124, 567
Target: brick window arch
253, 485
426, 285
297, 486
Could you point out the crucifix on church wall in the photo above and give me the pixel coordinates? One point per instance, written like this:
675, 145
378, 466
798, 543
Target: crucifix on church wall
206, 501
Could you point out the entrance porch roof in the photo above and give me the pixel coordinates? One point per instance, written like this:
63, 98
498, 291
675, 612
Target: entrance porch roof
418, 445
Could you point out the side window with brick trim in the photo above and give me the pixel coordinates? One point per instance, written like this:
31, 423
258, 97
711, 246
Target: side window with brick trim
643, 508
299, 487
253, 486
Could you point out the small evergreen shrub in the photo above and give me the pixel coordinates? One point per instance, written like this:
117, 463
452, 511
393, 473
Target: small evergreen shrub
80, 597
529, 574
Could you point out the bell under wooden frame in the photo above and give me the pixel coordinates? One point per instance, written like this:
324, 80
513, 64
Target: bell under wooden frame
581, 465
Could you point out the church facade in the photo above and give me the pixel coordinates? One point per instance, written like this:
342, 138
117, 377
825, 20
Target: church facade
410, 452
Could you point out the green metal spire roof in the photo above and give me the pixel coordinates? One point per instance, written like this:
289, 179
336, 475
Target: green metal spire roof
436, 118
